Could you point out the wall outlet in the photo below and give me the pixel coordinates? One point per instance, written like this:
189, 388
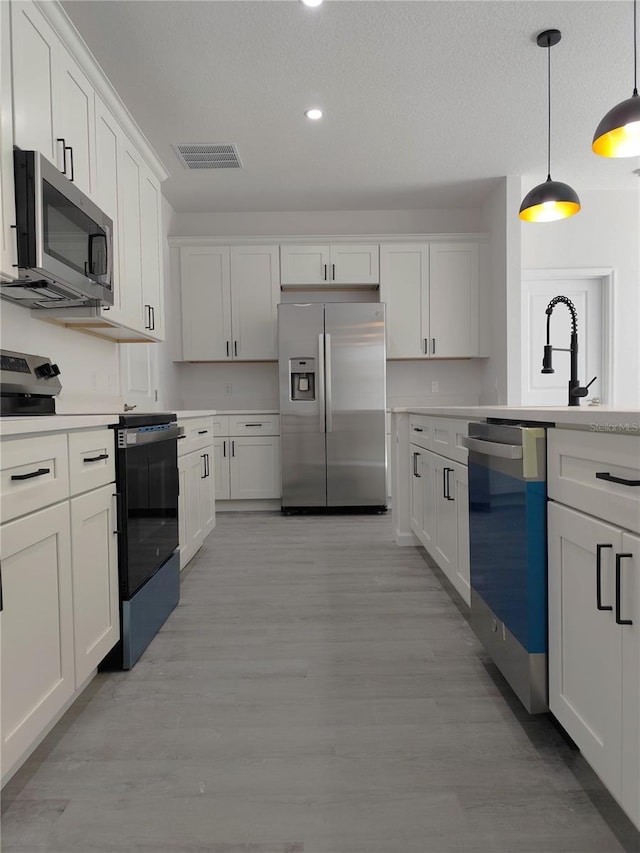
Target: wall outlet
435, 386
228, 389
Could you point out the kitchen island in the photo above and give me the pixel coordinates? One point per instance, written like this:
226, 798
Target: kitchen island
590, 534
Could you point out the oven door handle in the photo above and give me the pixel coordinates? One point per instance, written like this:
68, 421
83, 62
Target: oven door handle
492, 448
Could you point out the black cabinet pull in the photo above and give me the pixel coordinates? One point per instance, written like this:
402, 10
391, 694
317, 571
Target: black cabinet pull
605, 475
37, 473
207, 462
1, 594
203, 431
426, 346
70, 149
95, 458
448, 471
204, 459
253, 425
147, 319
235, 348
224, 449
333, 272
433, 346
325, 272
227, 349
118, 497
418, 429
619, 620
64, 153
415, 466
181, 437
233, 448
599, 603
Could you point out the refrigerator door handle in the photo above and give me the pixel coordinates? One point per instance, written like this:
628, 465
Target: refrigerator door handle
329, 405
321, 409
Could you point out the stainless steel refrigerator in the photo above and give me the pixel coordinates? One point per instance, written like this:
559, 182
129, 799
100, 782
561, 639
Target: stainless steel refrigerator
332, 406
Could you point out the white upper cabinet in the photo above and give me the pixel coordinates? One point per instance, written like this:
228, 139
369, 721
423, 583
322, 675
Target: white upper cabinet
453, 299
206, 303
151, 254
35, 48
329, 264
7, 201
229, 298
432, 295
255, 293
53, 99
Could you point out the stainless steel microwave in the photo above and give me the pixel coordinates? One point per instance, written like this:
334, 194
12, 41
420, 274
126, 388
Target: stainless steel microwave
64, 241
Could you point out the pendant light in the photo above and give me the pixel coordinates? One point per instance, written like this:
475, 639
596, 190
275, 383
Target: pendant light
551, 200
618, 134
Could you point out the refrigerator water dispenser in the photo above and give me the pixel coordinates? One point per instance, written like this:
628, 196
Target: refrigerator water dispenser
303, 378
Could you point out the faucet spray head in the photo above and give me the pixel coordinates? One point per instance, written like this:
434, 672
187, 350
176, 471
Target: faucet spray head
546, 360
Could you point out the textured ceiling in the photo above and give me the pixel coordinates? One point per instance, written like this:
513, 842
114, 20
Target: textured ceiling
426, 103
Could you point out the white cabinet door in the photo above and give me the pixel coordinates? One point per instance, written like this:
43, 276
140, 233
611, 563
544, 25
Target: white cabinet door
453, 299
404, 287
190, 473
35, 48
206, 304
94, 561
630, 734
106, 190
446, 526
355, 264
460, 490
207, 492
73, 120
37, 627
305, 264
182, 510
429, 498
255, 293
585, 644
255, 468
8, 256
221, 452
417, 489
151, 250
130, 237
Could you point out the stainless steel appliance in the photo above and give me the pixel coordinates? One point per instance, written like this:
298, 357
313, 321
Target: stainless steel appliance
28, 384
508, 551
64, 241
148, 557
332, 406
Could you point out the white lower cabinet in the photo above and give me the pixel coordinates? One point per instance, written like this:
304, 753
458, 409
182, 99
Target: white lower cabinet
439, 513
197, 466
247, 455
37, 627
594, 645
94, 560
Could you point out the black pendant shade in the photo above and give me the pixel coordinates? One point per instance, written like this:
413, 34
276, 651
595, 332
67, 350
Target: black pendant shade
551, 200
618, 134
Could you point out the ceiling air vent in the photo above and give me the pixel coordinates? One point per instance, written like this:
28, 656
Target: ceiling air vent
208, 155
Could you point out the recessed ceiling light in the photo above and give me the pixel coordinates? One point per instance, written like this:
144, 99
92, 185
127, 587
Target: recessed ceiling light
311, 2
313, 114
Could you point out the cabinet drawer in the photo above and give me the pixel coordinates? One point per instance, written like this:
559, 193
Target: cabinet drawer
574, 461
198, 434
34, 472
420, 431
91, 459
447, 434
221, 425
254, 425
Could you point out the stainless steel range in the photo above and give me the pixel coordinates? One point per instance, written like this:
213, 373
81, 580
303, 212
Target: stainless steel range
28, 384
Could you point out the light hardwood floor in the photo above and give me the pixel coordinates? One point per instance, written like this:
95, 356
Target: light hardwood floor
316, 691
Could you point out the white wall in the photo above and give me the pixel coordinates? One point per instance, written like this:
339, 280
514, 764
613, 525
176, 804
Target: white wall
606, 233
90, 366
501, 305
332, 222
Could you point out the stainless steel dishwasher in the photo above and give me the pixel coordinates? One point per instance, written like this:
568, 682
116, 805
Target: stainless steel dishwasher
507, 539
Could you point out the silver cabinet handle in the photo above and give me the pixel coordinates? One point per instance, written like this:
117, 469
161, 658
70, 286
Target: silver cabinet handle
321, 406
492, 448
328, 383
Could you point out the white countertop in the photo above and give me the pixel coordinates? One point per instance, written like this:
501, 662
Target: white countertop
196, 413
597, 418
53, 423
248, 412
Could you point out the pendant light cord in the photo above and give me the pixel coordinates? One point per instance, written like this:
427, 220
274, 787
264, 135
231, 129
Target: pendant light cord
635, 48
549, 107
